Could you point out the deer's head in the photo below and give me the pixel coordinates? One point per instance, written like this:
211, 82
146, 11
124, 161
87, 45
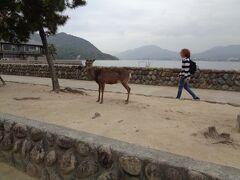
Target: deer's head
88, 64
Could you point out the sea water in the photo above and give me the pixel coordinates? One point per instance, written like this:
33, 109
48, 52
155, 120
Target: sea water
217, 65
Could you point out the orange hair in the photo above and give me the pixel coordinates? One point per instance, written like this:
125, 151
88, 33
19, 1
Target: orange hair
185, 53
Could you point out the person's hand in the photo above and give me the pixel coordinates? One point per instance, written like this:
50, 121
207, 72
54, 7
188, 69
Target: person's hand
186, 80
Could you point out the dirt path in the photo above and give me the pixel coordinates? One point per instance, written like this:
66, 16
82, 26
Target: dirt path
230, 97
167, 124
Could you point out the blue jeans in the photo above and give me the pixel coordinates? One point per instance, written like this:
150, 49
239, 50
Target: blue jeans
184, 84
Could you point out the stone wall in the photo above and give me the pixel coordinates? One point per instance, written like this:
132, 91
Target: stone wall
51, 152
206, 79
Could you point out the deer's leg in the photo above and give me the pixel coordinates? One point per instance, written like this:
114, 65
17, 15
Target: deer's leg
125, 84
103, 86
2, 80
99, 92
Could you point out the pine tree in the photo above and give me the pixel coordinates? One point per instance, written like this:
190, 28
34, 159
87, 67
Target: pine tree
20, 18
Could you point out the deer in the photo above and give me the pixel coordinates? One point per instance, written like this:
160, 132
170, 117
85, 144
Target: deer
104, 76
3, 82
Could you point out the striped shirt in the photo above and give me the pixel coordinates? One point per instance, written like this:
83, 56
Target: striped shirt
185, 71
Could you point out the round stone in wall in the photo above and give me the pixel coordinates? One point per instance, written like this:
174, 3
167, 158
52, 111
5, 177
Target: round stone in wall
153, 172
229, 82
137, 81
50, 139
105, 157
225, 87
173, 174
1, 135
225, 76
83, 149
193, 175
154, 77
55, 176
173, 79
67, 162
20, 130
108, 176
37, 154
131, 165
237, 82
65, 142
17, 146
7, 142
51, 158
26, 147
1, 126
36, 134
128, 177
220, 81
7, 126
87, 168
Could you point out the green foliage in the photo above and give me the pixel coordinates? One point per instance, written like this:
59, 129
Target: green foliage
13, 25
20, 18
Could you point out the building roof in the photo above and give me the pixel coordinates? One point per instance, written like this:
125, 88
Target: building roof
30, 42
33, 42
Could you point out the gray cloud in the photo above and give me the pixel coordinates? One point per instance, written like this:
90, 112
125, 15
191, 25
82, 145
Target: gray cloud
114, 25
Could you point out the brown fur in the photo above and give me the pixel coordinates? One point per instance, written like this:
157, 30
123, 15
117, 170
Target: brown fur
108, 76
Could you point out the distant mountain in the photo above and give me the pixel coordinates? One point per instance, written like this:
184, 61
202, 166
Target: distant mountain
220, 53
70, 47
150, 52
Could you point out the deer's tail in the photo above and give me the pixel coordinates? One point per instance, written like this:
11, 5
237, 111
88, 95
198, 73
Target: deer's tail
130, 76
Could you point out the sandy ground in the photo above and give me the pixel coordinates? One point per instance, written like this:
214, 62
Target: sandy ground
171, 125
231, 97
9, 173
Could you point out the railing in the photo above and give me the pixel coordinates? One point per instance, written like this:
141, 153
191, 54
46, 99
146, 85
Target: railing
20, 52
67, 62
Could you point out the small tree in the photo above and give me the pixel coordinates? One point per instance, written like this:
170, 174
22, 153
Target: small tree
20, 18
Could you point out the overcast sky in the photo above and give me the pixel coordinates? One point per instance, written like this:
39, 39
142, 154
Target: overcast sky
117, 25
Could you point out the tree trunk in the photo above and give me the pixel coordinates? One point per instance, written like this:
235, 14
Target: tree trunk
1, 79
52, 70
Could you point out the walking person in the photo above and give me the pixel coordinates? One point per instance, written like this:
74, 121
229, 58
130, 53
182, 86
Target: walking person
188, 68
